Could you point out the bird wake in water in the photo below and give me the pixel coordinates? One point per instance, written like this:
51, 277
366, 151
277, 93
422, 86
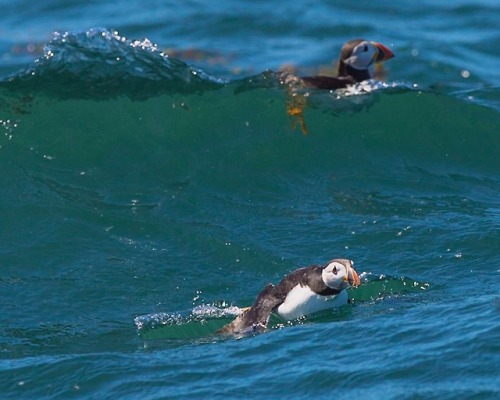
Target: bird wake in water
206, 320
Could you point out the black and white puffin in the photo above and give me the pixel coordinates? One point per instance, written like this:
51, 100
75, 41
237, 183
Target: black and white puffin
356, 60
305, 291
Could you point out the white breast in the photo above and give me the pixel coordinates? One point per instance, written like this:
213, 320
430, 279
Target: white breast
302, 301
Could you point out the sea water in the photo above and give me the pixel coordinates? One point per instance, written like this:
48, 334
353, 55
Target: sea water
153, 183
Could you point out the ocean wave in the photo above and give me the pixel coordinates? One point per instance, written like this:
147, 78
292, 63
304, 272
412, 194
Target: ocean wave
380, 128
100, 63
97, 101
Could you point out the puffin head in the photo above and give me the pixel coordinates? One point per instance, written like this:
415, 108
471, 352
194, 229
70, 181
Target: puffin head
359, 55
339, 274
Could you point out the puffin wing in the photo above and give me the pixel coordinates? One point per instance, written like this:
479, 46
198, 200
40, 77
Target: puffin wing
256, 317
327, 82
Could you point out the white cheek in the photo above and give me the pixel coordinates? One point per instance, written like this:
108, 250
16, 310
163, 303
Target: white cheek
333, 281
361, 60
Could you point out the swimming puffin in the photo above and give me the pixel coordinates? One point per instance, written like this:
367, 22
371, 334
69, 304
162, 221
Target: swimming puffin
356, 58
305, 291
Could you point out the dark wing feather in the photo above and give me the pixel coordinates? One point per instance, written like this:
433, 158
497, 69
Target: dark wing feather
256, 317
327, 82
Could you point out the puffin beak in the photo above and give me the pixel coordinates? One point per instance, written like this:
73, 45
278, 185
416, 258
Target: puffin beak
353, 277
383, 52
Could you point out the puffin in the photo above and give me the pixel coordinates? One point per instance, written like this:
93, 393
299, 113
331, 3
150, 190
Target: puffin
357, 57
305, 291
356, 62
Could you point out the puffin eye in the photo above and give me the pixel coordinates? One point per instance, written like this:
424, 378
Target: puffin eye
335, 270
365, 47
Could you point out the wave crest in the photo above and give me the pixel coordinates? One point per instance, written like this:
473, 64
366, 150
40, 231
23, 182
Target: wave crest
101, 63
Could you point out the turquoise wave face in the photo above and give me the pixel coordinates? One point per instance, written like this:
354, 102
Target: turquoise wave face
379, 132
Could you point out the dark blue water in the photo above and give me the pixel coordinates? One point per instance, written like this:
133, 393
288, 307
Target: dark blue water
153, 183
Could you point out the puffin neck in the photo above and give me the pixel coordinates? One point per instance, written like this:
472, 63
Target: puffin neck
358, 75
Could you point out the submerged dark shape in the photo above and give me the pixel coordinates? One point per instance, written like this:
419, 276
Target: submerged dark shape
356, 58
305, 291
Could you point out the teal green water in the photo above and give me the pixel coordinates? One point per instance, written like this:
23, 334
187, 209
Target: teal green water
145, 198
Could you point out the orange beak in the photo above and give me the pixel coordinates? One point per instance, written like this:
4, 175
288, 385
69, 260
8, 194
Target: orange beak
353, 277
383, 52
